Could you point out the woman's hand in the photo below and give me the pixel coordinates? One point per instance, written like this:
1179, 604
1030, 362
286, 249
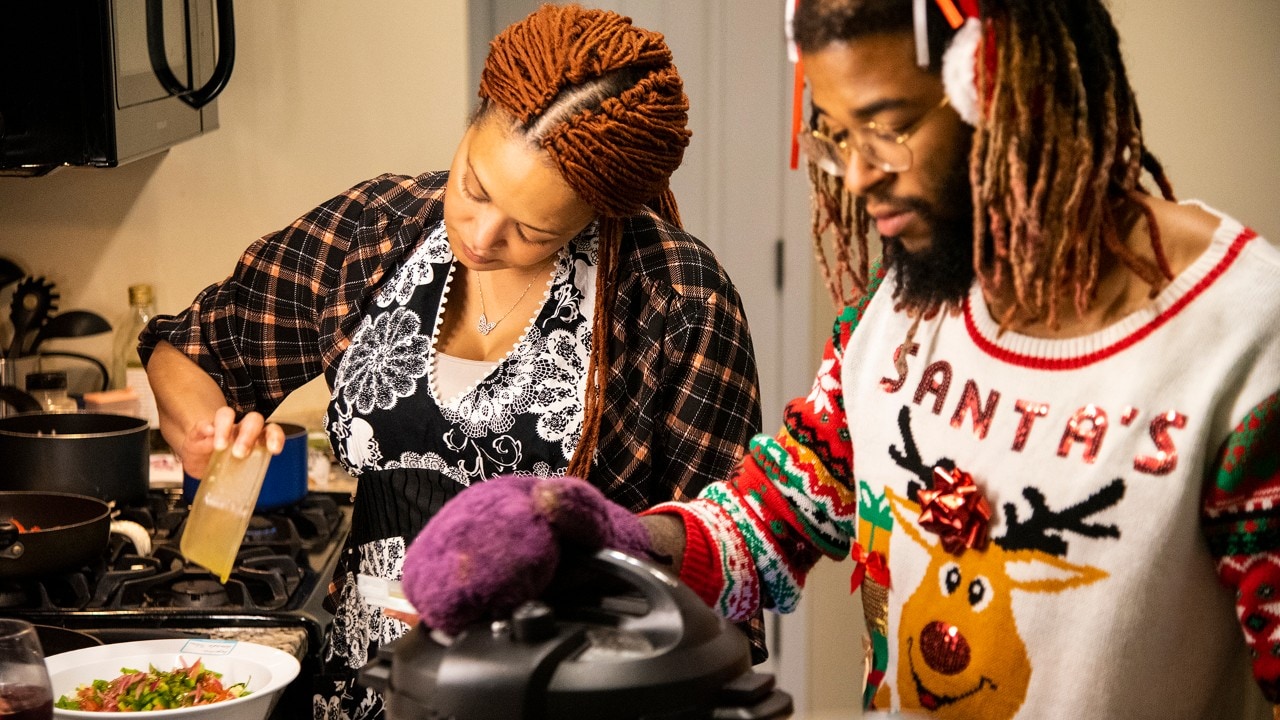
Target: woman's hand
222, 431
409, 619
194, 416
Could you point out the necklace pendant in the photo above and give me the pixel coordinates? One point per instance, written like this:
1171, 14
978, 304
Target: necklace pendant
484, 326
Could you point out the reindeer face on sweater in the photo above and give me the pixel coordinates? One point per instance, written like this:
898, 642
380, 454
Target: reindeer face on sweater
959, 651
958, 638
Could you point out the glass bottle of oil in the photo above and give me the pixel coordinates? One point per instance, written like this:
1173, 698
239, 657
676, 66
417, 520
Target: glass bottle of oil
127, 370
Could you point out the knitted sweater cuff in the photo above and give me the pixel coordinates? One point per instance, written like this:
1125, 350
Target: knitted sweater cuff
699, 569
718, 564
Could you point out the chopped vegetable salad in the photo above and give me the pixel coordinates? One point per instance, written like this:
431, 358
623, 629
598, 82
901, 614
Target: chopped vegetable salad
137, 691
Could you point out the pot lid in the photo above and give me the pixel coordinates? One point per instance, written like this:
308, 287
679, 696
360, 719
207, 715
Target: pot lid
631, 641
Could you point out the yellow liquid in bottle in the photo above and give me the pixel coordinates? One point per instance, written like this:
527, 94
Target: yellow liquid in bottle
221, 509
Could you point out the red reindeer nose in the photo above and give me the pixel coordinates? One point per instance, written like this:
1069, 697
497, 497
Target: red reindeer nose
944, 649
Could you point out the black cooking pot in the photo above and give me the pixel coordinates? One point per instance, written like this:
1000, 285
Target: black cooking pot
96, 454
644, 646
43, 533
55, 640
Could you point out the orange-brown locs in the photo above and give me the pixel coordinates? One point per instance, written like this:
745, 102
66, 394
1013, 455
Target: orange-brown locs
602, 98
552, 71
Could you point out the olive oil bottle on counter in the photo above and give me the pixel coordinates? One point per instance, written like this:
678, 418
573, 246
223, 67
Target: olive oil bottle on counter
127, 370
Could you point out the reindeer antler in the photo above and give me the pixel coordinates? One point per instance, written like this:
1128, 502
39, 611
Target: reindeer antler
910, 460
1043, 529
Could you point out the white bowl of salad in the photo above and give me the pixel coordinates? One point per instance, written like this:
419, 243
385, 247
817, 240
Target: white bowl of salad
185, 678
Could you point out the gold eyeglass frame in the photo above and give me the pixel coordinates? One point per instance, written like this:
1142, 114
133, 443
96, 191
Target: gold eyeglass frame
839, 152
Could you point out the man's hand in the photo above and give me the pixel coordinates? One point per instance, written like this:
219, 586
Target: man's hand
666, 538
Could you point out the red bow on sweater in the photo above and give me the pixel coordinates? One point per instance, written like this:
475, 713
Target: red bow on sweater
956, 510
867, 564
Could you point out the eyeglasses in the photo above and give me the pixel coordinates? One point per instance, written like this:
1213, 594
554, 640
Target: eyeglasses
883, 147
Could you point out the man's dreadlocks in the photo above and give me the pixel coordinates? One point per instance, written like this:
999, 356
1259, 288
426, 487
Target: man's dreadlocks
1055, 162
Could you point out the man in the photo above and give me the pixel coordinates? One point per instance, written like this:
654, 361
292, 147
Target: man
1047, 427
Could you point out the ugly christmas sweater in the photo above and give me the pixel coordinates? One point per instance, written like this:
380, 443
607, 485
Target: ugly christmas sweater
1129, 479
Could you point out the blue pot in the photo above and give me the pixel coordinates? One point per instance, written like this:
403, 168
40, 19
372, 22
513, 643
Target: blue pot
286, 479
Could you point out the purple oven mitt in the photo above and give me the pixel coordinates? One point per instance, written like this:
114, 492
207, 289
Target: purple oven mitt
497, 545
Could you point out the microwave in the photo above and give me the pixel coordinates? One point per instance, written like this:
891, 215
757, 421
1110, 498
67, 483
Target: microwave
102, 82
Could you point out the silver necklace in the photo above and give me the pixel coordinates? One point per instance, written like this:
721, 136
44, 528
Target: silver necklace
483, 325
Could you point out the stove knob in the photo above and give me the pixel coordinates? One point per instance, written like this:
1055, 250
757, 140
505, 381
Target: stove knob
533, 622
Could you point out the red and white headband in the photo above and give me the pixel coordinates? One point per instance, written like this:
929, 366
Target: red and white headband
959, 60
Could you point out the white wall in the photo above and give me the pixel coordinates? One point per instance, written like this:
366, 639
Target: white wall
325, 93
1207, 77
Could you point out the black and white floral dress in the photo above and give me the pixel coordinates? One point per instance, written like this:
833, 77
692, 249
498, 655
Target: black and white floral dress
524, 418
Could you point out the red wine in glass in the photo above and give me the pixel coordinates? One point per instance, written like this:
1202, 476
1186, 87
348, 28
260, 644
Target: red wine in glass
25, 702
25, 692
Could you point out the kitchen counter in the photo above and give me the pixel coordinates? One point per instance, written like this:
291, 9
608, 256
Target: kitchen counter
337, 482
289, 639
296, 701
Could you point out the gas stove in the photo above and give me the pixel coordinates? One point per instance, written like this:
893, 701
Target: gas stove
276, 593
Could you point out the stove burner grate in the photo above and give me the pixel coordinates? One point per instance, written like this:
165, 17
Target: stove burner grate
279, 556
198, 593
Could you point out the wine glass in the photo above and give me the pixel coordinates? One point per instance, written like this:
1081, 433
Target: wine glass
25, 693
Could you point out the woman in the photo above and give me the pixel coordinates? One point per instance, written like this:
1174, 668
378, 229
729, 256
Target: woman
456, 316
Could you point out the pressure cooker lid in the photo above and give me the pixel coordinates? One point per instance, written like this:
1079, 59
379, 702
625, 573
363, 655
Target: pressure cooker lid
640, 645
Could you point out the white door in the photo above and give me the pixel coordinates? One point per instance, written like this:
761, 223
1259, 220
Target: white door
736, 193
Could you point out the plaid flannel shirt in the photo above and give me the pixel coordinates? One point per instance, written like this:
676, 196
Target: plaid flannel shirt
681, 400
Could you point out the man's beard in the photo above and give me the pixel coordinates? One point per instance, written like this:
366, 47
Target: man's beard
941, 273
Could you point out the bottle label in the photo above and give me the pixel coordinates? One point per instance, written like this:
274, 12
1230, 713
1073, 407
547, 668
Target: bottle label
136, 378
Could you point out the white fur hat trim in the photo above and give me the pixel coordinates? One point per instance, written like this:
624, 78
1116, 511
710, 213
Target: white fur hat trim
959, 71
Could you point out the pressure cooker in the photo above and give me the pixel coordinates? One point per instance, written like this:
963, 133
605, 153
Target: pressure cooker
630, 643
